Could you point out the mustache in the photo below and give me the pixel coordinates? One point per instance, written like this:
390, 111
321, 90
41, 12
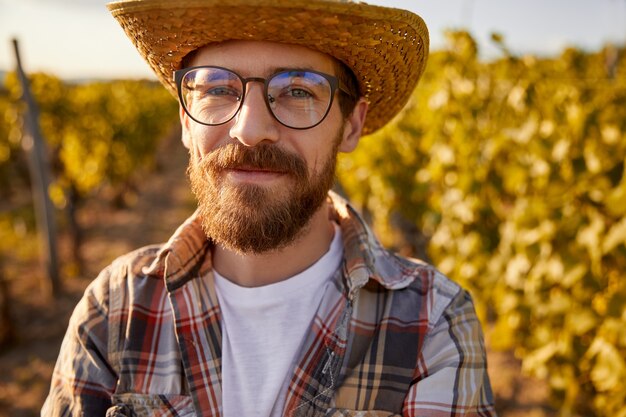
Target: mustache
262, 157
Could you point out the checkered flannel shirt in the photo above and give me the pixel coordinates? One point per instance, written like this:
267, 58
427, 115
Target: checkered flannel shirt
391, 337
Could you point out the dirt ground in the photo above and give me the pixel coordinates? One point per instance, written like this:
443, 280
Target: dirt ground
162, 204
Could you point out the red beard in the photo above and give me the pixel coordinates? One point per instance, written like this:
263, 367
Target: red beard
250, 218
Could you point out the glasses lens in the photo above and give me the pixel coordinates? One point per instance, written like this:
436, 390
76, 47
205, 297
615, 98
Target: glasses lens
299, 99
211, 95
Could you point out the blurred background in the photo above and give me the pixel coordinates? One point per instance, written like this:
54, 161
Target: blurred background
506, 171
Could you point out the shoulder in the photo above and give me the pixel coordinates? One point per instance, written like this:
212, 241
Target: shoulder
125, 274
420, 289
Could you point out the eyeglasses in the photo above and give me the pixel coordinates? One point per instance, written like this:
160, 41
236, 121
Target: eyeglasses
299, 99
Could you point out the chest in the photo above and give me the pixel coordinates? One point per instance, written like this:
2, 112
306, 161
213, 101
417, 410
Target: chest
347, 360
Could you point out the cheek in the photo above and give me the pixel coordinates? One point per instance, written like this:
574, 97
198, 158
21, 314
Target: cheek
319, 162
319, 150
203, 139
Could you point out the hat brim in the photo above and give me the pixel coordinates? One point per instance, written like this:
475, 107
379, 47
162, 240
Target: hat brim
385, 48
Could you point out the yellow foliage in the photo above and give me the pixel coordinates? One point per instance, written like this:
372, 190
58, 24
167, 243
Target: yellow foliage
98, 135
103, 133
515, 172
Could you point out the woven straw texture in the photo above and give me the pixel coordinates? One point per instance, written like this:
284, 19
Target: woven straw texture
386, 48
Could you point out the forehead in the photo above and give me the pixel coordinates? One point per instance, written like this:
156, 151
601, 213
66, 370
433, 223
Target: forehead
255, 58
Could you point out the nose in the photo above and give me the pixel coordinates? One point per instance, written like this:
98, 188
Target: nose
254, 123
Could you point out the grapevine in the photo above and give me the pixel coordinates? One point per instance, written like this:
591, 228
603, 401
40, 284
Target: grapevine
514, 170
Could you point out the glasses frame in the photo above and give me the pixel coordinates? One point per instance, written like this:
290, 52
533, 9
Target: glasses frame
335, 85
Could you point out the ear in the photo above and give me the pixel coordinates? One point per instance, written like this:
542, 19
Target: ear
184, 123
353, 126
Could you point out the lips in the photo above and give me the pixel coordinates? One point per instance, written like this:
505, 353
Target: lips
254, 175
257, 169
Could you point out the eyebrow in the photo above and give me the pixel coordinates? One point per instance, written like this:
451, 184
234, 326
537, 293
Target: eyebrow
274, 70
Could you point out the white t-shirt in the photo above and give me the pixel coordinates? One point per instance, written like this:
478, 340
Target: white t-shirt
262, 330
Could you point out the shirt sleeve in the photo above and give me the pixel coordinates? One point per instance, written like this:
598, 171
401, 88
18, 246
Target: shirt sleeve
83, 380
452, 374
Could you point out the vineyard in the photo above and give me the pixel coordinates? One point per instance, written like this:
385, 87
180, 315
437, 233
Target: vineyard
514, 172
100, 135
508, 175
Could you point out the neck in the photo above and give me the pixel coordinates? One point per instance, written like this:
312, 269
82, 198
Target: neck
255, 270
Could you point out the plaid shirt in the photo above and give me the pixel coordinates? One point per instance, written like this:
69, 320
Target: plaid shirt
391, 337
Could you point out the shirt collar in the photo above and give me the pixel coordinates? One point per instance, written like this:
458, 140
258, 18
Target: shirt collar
365, 258
187, 254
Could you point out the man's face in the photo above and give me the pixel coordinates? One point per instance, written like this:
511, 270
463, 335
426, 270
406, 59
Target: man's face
258, 183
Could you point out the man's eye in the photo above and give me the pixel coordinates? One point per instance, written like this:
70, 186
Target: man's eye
298, 93
221, 91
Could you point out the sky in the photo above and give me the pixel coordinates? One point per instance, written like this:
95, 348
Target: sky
78, 39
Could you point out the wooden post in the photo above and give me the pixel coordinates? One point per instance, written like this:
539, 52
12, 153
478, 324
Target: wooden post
8, 330
35, 147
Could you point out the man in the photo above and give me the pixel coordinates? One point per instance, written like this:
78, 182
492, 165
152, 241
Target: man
274, 299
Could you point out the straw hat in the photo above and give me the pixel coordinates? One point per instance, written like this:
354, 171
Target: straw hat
386, 48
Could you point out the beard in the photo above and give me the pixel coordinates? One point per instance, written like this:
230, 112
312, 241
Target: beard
249, 218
